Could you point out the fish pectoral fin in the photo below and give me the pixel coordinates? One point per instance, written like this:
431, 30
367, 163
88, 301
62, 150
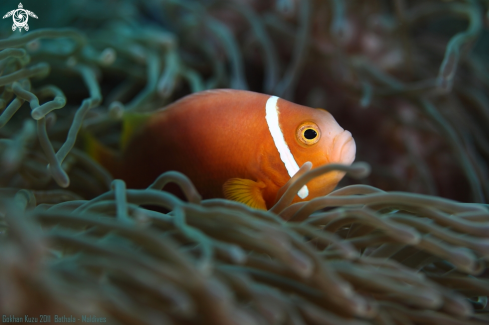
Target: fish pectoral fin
245, 191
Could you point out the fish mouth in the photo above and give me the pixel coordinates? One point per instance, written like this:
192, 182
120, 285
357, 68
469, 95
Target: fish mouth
344, 148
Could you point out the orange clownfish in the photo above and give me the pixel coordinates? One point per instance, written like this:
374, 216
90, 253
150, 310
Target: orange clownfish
232, 144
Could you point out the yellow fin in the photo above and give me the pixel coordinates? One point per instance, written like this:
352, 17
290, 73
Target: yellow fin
131, 122
98, 151
245, 191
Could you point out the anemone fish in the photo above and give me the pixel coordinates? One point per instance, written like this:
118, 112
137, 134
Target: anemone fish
233, 144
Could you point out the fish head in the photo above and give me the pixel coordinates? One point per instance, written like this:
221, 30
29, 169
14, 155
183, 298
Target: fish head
314, 135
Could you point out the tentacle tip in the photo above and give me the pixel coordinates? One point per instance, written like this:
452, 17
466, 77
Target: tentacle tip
303, 265
196, 198
60, 101
64, 183
360, 170
60, 176
116, 110
116, 183
35, 114
461, 307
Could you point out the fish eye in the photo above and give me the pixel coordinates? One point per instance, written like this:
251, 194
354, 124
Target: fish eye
308, 133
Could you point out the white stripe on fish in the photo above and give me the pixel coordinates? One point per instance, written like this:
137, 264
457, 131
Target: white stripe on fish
272, 112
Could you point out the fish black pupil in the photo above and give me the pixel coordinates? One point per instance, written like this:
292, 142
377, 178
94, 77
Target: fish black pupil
310, 134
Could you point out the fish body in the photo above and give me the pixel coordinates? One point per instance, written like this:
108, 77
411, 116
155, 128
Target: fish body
233, 144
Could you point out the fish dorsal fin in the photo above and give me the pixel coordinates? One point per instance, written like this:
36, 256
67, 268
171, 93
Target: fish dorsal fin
131, 122
245, 191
